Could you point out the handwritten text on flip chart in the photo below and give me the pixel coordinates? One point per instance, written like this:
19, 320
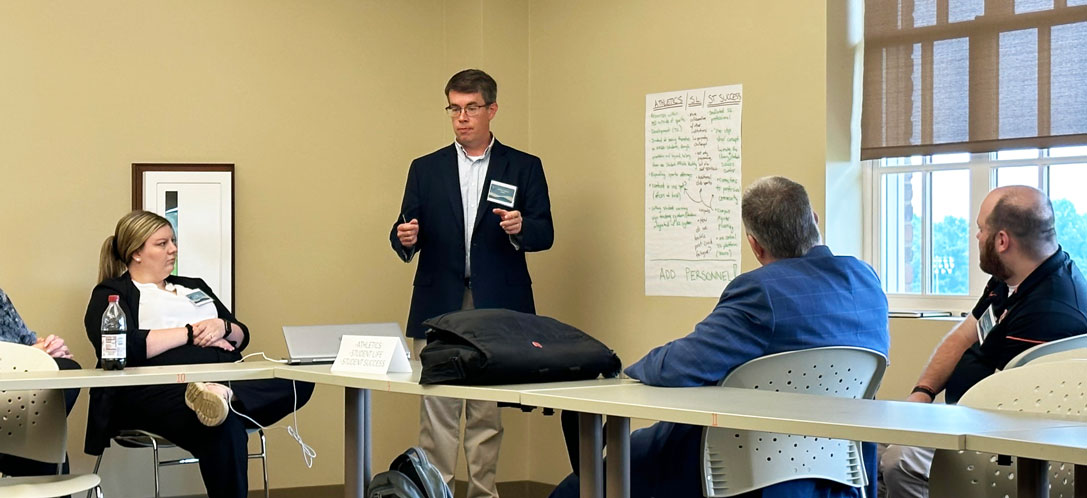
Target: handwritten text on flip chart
692, 191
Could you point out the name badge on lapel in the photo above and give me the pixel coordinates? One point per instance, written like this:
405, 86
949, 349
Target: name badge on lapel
198, 297
501, 193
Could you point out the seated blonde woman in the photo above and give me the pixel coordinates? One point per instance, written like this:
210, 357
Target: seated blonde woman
170, 325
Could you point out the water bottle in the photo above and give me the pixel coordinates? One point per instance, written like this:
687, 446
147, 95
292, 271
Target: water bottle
114, 335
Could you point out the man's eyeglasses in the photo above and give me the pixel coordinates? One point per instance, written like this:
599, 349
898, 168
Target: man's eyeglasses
471, 110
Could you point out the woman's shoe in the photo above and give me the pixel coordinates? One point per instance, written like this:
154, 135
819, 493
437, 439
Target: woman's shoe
210, 402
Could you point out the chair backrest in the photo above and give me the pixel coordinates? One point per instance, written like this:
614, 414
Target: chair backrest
1041, 387
32, 423
1052, 347
735, 461
1070, 354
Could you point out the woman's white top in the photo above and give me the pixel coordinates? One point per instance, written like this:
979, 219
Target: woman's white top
167, 309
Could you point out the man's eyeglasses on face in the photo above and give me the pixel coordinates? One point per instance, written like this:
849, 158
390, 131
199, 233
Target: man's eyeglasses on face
471, 110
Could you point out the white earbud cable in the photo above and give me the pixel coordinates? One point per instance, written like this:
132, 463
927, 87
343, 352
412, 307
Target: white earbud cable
308, 453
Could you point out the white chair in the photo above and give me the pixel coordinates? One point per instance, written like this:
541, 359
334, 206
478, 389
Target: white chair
33, 424
144, 439
1067, 348
1041, 387
735, 461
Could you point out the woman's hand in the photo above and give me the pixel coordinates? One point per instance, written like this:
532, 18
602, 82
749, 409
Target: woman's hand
222, 344
53, 346
205, 333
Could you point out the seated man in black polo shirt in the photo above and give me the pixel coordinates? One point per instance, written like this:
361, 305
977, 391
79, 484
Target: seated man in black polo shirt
1036, 295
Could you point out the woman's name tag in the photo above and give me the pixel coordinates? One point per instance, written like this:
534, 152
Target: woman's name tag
198, 297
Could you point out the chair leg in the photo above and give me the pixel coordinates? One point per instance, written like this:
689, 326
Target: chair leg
155, 450
97, 489
264, 463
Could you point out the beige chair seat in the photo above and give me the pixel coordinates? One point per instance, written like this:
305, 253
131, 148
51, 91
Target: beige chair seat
47, 486
36, 427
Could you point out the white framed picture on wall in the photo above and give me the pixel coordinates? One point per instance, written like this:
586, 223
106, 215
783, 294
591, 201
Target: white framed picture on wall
198, 199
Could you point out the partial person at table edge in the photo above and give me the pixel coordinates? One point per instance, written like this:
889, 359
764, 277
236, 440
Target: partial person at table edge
13, 329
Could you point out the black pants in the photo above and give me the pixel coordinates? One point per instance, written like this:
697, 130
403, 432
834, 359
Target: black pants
16, 466
223, 449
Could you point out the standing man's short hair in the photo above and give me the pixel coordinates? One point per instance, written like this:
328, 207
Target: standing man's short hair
777, 213
1027, 214
474, 81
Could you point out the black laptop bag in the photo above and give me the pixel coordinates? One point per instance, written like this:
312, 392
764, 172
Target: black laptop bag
495, 346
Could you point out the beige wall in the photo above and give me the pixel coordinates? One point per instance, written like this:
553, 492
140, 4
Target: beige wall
912, 342
844, 176
321, 105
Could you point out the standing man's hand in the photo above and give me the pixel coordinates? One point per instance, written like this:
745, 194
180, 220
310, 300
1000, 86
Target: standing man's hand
408, 233
511, 221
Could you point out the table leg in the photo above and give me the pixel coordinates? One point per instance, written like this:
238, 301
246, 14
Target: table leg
1033, 477
618, 457
591, 455
356, 442
1080, 476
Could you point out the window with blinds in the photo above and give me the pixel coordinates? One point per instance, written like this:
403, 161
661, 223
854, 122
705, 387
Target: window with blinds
973, 76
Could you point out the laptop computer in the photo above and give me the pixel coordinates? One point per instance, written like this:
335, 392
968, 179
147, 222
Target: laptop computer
316, 344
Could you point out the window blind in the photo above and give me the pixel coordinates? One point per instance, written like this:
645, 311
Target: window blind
973, 75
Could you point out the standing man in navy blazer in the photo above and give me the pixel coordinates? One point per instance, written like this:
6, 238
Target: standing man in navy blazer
471, 210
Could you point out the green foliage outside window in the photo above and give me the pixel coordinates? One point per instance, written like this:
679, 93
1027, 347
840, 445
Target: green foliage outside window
952, 239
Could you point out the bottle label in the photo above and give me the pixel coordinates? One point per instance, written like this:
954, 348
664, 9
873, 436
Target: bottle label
114, 346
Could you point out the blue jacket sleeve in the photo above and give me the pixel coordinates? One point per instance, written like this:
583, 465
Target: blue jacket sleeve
739, 329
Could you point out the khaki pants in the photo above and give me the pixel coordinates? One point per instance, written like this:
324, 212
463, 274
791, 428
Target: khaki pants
904, 471
439, 433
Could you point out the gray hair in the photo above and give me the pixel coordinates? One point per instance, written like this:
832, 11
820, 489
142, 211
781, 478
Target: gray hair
777, 213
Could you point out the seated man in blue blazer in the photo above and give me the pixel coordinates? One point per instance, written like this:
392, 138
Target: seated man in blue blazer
802, 297
471, 210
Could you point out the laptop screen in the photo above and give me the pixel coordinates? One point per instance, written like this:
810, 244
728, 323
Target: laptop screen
320, 343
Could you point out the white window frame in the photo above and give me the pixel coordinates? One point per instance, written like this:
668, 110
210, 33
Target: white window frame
982, 169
